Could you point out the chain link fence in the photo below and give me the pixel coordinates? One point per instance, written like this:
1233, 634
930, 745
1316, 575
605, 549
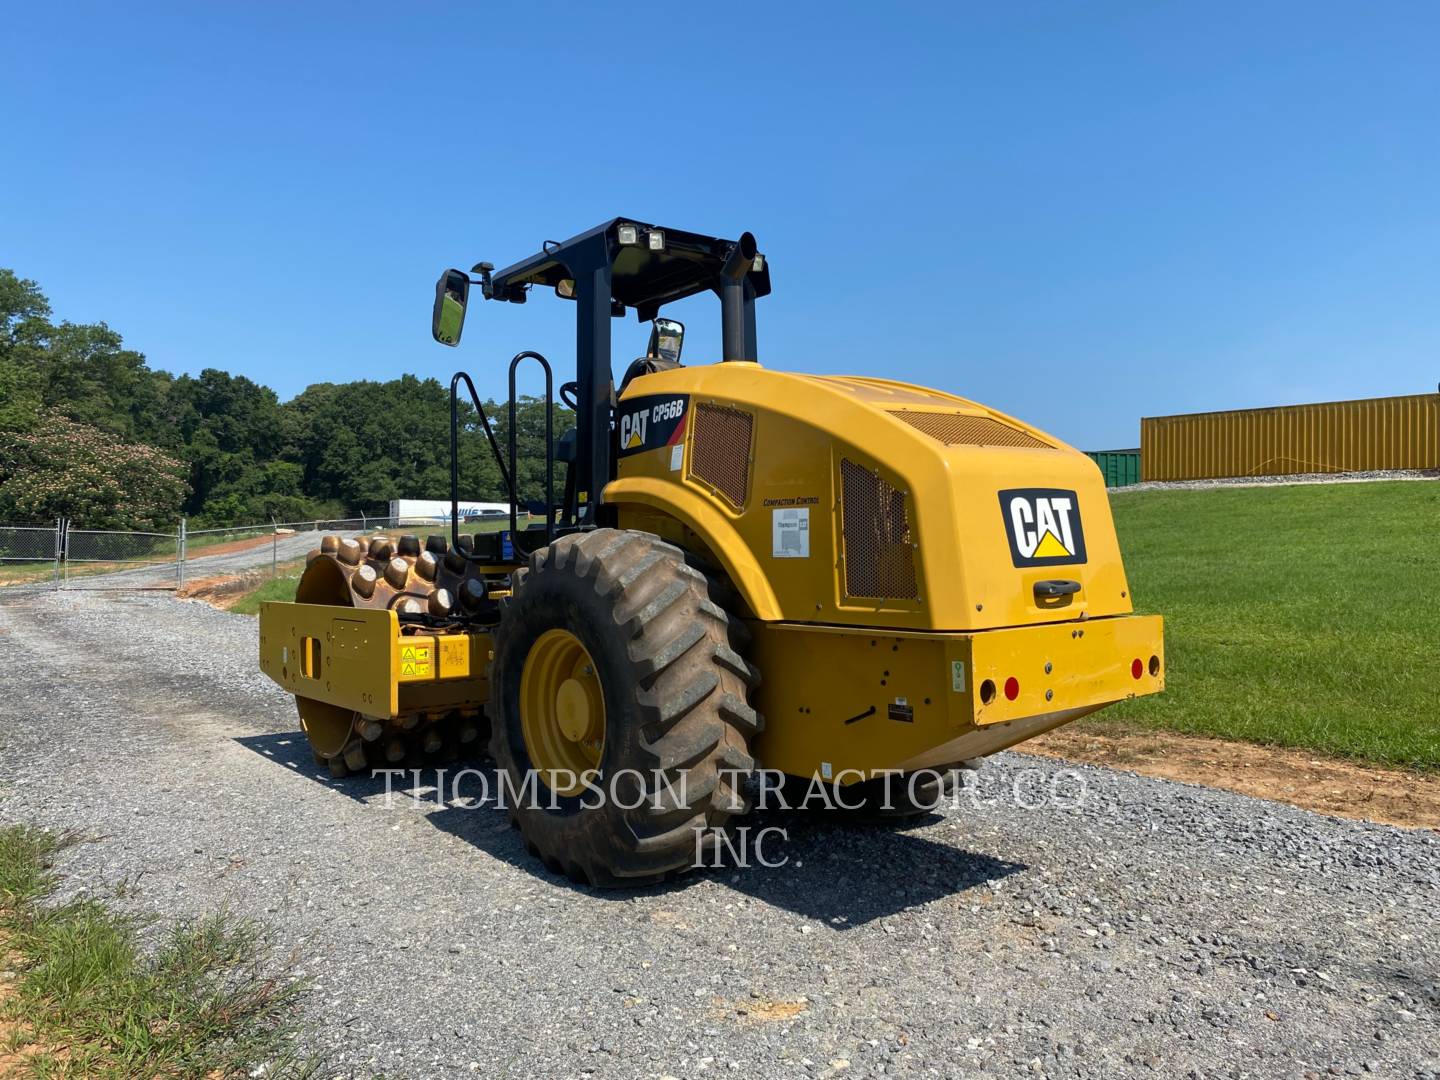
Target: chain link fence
30, 555
60, 556
118, 559
266, 550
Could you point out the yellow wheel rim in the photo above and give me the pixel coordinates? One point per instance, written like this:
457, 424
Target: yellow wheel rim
562, 711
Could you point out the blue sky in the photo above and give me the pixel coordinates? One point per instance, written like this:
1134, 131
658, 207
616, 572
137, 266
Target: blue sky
1077, 213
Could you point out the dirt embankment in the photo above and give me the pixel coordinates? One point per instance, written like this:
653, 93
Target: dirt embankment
223, 590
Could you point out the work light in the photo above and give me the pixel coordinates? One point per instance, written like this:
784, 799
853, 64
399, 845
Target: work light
656, 238
629, 235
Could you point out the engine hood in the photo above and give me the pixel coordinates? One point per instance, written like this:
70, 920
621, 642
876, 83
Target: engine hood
873, 502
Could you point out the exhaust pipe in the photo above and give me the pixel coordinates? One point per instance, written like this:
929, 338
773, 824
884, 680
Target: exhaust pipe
737, 301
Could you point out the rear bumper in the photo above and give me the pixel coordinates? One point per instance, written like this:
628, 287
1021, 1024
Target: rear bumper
1063, 666
838, 699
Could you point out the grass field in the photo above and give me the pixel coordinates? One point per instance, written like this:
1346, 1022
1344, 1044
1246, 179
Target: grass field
1305, 616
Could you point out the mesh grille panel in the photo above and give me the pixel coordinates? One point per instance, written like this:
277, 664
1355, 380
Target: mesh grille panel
879, 555
720, 450
962, 429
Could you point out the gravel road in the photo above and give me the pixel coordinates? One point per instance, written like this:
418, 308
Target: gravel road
293, 546
1289, 479
1150, 929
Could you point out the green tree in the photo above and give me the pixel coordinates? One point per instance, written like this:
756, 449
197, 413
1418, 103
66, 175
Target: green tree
24, 327
89, 375
530, 444
337, 448
365, 443
231, 431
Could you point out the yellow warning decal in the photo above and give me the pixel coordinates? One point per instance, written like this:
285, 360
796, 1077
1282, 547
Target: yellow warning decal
454, 656
1050, 547
417, 659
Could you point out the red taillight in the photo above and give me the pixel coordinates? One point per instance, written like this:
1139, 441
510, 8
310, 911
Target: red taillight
1137, 668
1012, 688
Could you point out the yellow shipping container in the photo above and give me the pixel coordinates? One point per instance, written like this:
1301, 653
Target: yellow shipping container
1332, 436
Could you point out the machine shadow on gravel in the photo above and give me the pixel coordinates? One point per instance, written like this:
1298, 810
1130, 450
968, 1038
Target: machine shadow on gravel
843, 875
847, 875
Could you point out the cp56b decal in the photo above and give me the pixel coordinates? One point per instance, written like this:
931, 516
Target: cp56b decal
653, 421
1043, 525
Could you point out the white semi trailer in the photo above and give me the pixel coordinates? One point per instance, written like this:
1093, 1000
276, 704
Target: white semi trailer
426, 511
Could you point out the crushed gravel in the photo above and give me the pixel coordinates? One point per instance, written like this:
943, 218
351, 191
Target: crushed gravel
1276, 481
1150, 928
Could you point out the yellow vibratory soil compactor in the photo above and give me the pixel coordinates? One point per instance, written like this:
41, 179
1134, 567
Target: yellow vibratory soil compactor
846, 580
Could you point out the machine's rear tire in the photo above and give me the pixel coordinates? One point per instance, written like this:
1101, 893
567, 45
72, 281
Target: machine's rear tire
634, 614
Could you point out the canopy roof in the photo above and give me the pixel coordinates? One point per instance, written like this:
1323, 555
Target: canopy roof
641, 277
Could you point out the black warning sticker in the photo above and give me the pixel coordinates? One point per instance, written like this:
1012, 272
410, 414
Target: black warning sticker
1043, 525
650, 422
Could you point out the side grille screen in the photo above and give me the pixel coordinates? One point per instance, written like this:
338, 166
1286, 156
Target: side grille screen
962, 429
720, 450
879, 555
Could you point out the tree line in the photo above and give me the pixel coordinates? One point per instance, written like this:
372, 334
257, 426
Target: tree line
89, 431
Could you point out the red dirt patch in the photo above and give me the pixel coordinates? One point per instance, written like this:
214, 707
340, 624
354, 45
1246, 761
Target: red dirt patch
231, 546
16, 1049
1299, 777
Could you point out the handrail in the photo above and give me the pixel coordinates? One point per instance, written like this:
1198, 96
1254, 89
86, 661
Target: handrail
506, 475
529, 354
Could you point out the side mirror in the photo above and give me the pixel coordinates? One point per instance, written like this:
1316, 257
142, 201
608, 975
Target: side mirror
667, 338
448, 319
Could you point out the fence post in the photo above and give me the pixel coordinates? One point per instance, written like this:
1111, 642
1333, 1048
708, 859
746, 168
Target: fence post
59, 526
64, 551
180, 554
274, 551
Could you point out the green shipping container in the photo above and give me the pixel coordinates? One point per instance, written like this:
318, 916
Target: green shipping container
1121, 468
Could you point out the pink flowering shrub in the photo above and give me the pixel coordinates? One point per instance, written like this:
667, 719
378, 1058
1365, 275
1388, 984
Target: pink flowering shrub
61, 468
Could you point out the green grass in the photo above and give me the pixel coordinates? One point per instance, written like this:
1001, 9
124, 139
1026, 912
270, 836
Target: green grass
488, 526
24, 573
203, 1000
1304, 616
281, 587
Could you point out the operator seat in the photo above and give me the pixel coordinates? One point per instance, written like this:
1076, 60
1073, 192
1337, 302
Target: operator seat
646, 365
